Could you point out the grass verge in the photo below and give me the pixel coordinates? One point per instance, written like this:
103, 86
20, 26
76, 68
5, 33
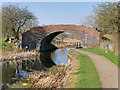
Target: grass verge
110, 55
88, 76
6, 45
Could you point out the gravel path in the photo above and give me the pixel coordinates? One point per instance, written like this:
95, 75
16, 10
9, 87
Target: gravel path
107, 71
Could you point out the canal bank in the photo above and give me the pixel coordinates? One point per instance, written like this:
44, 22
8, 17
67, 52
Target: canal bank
83, 73
56, 74
18, 56
72, 78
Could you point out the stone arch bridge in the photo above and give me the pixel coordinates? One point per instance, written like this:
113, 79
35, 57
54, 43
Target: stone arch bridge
40, 37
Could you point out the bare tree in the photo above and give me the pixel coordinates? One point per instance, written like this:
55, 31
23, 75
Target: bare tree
16, 19
105, 17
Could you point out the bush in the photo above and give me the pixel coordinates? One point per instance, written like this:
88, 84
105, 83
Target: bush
6, 45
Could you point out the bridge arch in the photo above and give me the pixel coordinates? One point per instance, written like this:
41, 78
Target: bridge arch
39, 36
46, 44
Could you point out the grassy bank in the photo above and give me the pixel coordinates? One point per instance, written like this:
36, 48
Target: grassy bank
6, 45
88, 76
110, 55
73, 78
8, 48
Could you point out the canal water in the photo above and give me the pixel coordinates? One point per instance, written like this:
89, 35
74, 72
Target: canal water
13, 71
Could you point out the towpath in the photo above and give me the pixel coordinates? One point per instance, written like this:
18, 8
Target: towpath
107, 71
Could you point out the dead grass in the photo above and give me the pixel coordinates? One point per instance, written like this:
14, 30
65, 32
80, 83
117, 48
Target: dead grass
73, 78
55, 77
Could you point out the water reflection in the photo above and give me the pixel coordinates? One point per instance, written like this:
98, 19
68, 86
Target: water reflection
7, 72
46, 59
60, 56
56, 57
14, 71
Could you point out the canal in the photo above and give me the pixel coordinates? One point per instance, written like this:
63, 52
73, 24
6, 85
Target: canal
12, 72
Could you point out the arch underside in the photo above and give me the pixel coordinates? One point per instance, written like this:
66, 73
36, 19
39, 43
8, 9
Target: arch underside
46, 44
85, 38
